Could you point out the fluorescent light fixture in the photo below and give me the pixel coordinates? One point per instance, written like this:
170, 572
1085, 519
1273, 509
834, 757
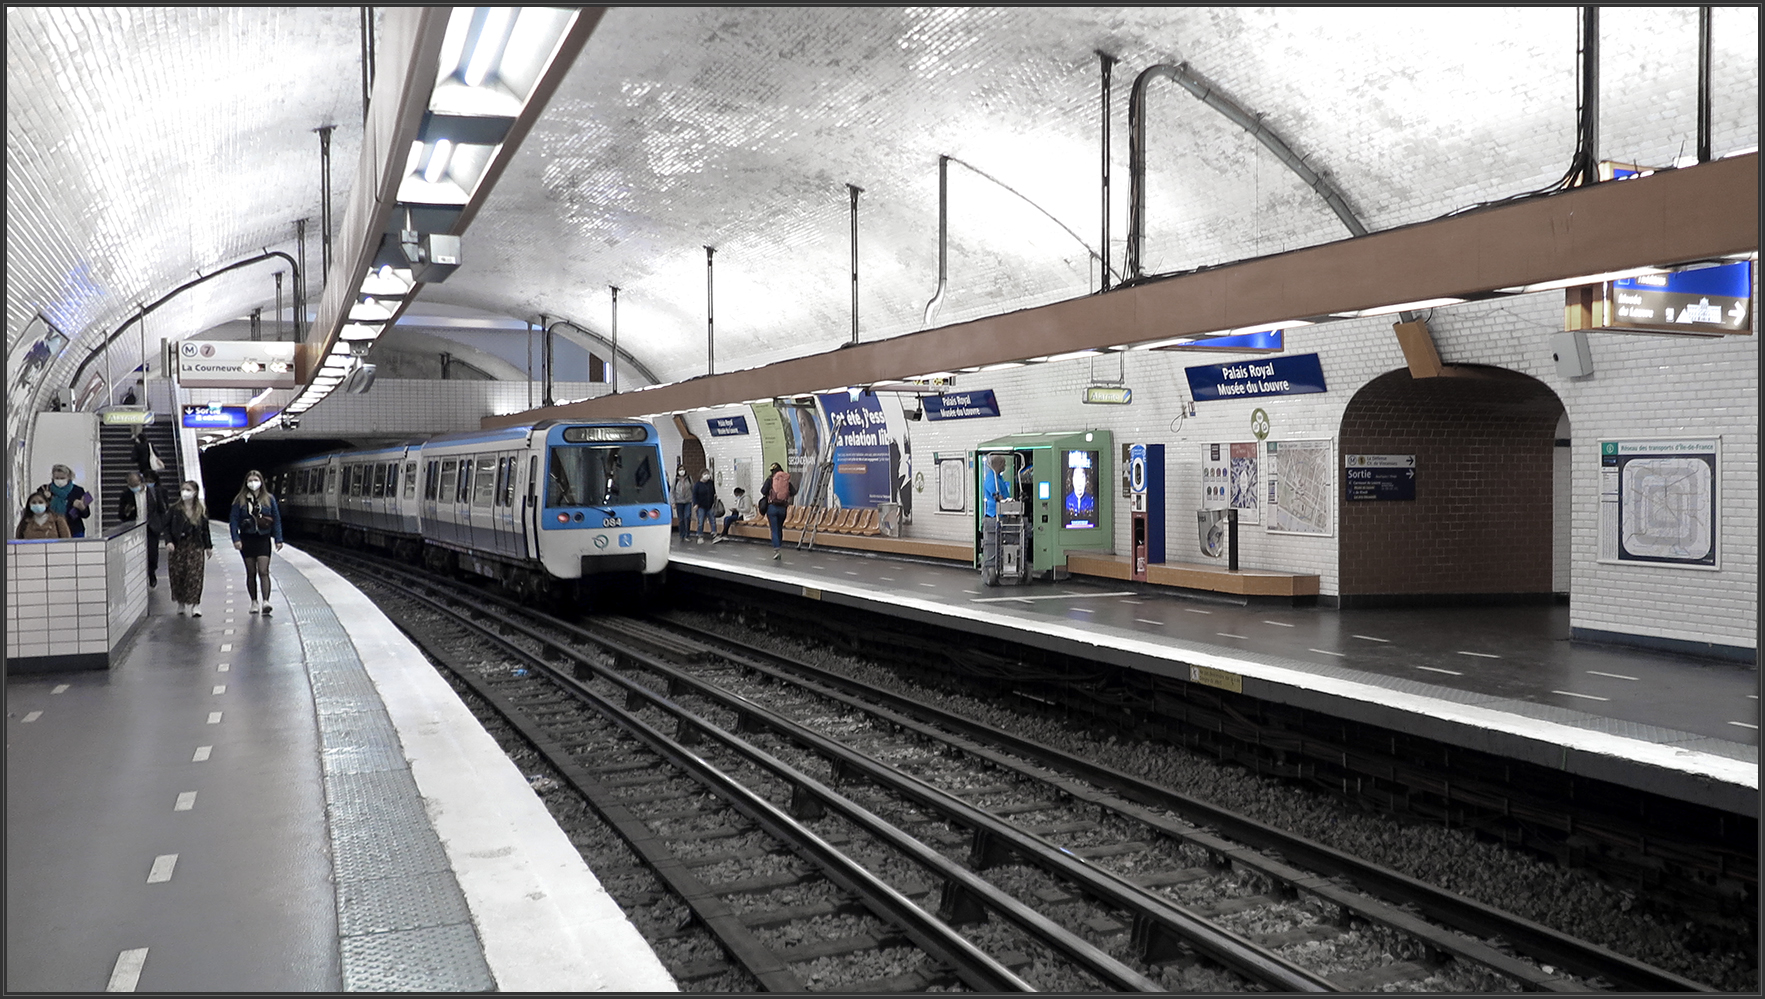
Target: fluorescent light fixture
935, 374
1172, 342
1073, 355
388, 282
360, 331
438, 158
1002, 366
342, 347
370, 310
496, 73
1585, 279
1285, 324
488, 45
1386, 310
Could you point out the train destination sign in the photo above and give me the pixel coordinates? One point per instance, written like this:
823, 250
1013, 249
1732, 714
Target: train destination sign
1709, 301
961, 405
729, 426
1381, 476
1296, 375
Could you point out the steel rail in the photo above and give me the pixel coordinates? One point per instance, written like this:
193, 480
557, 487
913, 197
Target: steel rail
1158, 922
1466, 914
977, 968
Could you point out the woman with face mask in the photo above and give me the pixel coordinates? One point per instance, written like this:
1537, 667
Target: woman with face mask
68, 500
38, 523
187, 543
256, 520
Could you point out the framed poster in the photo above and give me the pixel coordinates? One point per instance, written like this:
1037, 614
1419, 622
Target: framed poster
1231, 479
1659, 501
1302, 486
953, 481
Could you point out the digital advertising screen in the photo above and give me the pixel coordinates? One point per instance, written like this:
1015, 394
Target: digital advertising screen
1078, 482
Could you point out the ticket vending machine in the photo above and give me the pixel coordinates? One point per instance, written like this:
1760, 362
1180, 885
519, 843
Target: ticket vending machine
1146, 488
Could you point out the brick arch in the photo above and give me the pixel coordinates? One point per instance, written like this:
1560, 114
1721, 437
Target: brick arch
1480, 527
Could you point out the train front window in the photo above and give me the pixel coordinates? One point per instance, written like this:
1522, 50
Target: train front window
603, 476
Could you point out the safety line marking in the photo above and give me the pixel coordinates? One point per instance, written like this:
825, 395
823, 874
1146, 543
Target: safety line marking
1436, 669
59, 688
202, 754
1327, 652
223, 667
33, 716
1615, 676
1279, 624
1083, 610
1133, 601
1224, 634
1745, 725
1193, 610
850, 573
1587, 697
220, 688
933, 585
1481, 655
186, 801
1050, 596
1148, 621
886, 579
214, 717
971, 591
162, 868
226, 648
127, 972
229, 631
1370, 638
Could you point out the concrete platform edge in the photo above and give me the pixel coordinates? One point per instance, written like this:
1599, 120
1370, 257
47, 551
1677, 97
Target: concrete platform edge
1683, 774
546, 922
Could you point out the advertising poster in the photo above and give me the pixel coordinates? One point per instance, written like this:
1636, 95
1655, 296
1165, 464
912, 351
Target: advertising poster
1078, 483
1302, 486
863, 473
770, 425
1231, 479
1658, 502
802, 443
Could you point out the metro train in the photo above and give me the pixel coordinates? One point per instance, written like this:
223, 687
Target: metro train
477, 502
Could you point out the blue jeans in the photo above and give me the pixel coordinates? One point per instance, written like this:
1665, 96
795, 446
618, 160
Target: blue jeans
683, 517
728, 520
775, 514
706, 523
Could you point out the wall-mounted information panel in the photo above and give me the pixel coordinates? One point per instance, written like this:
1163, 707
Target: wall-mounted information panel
1302, 486
1659, 501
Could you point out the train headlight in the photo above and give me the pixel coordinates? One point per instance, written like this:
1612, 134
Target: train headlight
579, 516
563, 518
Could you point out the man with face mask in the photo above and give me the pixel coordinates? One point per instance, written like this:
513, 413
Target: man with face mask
67, 500
142, 500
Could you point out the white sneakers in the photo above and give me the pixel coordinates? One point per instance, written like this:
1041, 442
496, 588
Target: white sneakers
195, 610
266, 607
182, 608
256, 607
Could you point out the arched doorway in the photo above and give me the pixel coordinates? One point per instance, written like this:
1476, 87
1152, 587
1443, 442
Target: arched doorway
1481, 528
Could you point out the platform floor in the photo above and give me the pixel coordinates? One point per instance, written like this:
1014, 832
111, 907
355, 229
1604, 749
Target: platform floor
1504, 679
295, 802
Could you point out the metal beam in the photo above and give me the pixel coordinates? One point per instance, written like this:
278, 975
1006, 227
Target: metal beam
1674, 216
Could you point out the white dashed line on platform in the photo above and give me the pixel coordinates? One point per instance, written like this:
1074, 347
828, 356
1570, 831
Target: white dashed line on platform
933, 585
1587, 697
1615, 676
1194, 610
186, 801
162, 868
850, 573
1436, 669
229, 631
1370, 638
1481, 655
59, 688
1227, 634
226, 648
223, 667
127, 972
219, 688
1327, 652
1133, 601
214, 717
1049, 596
1746, 725
971, 591
1083, 610
886, 579
1147, 621
202, 754
1279, 624
33, 716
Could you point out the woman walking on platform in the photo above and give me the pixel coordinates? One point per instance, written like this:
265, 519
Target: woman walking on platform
256, 521
187, 543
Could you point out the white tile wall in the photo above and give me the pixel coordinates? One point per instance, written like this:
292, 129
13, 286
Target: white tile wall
73, 597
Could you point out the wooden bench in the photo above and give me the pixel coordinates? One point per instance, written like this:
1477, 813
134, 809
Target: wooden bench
917, 547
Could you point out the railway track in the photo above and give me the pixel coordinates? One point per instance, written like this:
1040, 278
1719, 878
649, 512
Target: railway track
1039, 859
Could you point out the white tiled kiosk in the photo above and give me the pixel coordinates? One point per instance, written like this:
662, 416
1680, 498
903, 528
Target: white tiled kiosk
70, 603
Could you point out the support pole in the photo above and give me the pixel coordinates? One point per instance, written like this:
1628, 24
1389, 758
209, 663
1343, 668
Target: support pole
937, 299
367, 59
545, 324
297, 298
529, 364
1232, 539
1103, 246
1590, 95
613, 362
278, 305
855, 190
710, 316
1704, 154
324, 203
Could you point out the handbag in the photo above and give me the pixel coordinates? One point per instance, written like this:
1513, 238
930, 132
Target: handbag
154, 461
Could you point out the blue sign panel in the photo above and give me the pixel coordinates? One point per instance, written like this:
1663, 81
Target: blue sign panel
1729, 281
1707, 301
1269, 340
729, 426
215, 417
1295, 375
961, 405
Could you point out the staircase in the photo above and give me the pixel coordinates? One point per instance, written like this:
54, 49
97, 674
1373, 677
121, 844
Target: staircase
116, 461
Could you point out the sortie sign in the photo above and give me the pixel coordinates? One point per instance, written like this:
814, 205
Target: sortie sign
1295, 375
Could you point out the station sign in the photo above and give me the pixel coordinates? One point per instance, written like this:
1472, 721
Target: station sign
236, 364
215, 416
126, 417
1708, 301
729, 426
1389, 477
961, 405
1295, 375
1108, 395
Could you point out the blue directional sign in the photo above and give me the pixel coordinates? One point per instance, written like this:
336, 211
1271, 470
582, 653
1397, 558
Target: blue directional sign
1381, 476
729, 426
1707, 300
215, 417
961, 405
1295, 375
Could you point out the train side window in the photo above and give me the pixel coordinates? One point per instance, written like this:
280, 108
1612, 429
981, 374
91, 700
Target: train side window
331, 479
449, 469
379, 479
410, 480
355, 480
463, 489
507, 495
431, 479
392, 479
532, 479
502, 480
484, 489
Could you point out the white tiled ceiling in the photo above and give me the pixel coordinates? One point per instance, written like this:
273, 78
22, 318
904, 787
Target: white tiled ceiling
146, 144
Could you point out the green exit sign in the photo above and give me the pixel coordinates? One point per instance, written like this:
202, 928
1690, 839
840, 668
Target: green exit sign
1109, 395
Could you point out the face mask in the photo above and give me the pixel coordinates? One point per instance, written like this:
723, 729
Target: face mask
186, 495
59, 482
254, 485
137, 488
39, 508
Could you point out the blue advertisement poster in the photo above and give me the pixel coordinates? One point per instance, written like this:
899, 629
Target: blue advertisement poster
861, 449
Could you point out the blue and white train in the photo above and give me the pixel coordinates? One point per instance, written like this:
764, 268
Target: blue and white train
545, 509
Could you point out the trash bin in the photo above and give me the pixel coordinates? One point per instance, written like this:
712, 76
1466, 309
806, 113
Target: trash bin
889, 517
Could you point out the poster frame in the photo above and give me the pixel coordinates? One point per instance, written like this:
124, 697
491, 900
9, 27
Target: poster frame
1271, 474
1612, 528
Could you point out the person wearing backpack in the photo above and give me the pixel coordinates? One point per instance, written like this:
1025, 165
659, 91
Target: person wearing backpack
777, 502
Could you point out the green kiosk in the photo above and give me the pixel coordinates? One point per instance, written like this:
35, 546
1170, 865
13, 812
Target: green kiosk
1041, 495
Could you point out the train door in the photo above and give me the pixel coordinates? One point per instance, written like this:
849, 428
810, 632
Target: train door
530, 508
483, 491
443, 510
407, 506
508, 537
